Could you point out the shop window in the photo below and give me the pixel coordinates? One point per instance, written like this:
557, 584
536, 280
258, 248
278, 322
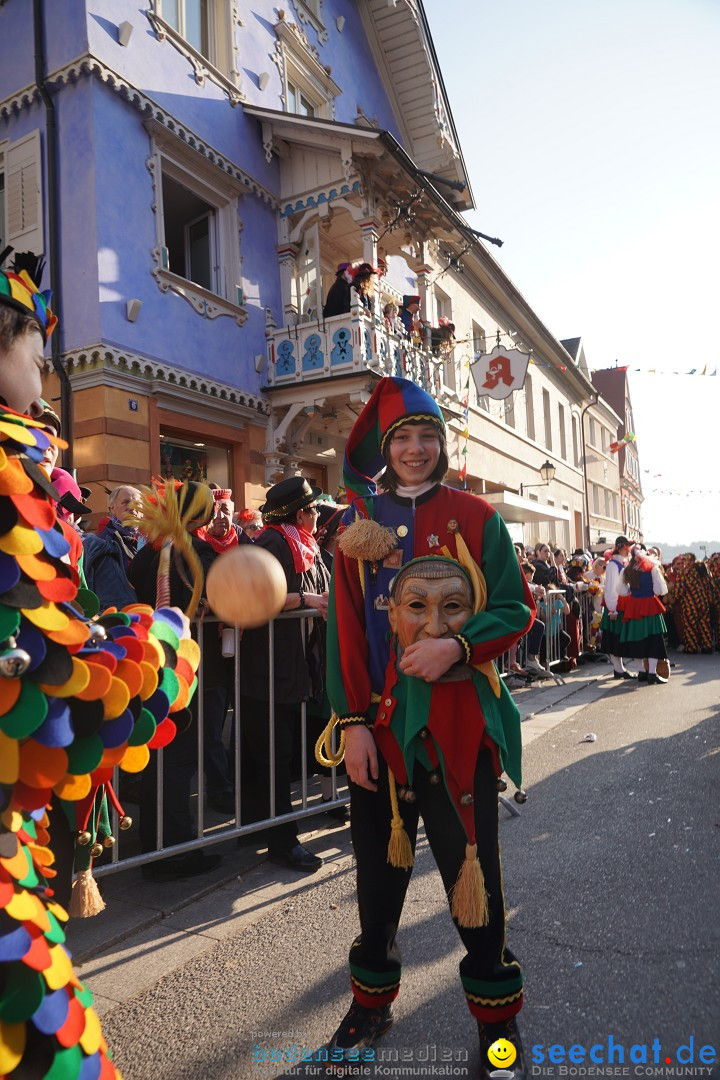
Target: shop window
198, 461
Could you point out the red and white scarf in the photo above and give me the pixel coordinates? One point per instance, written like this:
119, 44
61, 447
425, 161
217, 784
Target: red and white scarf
302, 545
220, 544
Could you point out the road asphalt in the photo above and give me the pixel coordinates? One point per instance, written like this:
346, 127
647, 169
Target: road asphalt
611, 886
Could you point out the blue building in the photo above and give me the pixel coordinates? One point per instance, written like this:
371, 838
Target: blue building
196, 171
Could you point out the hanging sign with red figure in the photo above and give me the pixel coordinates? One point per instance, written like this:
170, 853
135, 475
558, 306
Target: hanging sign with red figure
499, 373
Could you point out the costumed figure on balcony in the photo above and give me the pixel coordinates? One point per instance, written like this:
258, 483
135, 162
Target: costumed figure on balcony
643, 629
442, 337
427, 727
410, 318
78, 697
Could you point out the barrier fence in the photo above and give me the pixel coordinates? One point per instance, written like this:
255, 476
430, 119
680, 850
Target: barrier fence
305, 790
211, 828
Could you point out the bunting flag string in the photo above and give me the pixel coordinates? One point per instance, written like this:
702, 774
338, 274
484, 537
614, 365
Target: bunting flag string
629, 438
682, 494
660, 371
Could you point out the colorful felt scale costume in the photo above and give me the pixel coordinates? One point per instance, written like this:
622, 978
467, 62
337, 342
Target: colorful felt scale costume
444, 743
77, 698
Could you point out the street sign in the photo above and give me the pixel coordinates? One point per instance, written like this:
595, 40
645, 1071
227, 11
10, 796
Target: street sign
498, 373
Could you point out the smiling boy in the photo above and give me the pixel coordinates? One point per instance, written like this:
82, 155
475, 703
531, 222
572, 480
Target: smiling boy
427, 592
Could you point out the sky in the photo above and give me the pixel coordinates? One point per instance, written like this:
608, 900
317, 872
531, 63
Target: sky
591, 135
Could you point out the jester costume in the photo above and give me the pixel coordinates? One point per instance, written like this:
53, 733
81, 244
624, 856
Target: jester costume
694, 596
442, 745
77, 699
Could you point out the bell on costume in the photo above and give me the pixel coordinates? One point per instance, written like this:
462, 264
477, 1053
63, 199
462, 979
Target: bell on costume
14, 662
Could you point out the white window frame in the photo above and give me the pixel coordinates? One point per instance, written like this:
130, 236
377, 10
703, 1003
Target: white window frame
21, 163
448, 369
221, 65
310, 12
563, 433
547, 419
172, 158
301, 68
529, 408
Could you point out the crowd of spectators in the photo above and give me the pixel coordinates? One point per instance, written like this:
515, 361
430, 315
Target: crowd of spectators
298, 525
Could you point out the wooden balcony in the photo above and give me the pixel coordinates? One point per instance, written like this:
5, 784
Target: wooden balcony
348, 345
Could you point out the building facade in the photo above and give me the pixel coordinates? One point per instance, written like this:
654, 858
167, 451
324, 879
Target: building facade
195, 173
612, 383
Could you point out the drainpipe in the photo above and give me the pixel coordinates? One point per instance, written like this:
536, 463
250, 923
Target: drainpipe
51, 142
589, 405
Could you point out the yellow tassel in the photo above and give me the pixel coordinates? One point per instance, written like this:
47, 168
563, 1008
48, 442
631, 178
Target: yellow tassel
85, 899
468, 896
400, 853
324, 752
167, 514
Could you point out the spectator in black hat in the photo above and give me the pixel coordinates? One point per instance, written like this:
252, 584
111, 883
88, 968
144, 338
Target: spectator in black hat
290, 515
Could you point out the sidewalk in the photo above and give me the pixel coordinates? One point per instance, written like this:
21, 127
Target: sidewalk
149, 929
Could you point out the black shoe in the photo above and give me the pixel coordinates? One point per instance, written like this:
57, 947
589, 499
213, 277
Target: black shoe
642, 676
360, 1027
180, 866
655, 678
297, 858
339, 813
624, 675
224, 803
489, 1034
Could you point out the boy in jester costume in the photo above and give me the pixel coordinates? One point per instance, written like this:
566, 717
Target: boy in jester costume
426, 594
77, 698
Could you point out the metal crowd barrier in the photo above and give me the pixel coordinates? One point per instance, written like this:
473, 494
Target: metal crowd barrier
305, 794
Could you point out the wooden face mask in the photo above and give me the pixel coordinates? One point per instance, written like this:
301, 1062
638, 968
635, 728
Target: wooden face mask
430, 598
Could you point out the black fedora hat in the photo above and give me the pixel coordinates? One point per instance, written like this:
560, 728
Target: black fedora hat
287, 497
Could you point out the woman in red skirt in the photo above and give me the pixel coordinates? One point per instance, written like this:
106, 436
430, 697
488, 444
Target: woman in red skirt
643, 629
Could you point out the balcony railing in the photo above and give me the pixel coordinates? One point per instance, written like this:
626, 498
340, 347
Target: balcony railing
347, 344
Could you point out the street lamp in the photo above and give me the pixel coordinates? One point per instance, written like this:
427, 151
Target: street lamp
547, 471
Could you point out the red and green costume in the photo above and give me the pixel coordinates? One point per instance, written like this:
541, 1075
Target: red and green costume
444, 743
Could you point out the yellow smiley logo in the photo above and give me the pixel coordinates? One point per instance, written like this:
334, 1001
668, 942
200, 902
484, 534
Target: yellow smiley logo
502, 1053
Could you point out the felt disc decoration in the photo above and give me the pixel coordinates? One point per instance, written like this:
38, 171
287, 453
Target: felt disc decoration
82, 707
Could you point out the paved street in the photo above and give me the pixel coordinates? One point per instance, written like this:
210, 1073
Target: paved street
611, 888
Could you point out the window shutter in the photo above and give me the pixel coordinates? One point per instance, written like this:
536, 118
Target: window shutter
23, 194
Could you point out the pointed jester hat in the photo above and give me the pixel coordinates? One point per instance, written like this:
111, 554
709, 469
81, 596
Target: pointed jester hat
394, 402
19, 289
